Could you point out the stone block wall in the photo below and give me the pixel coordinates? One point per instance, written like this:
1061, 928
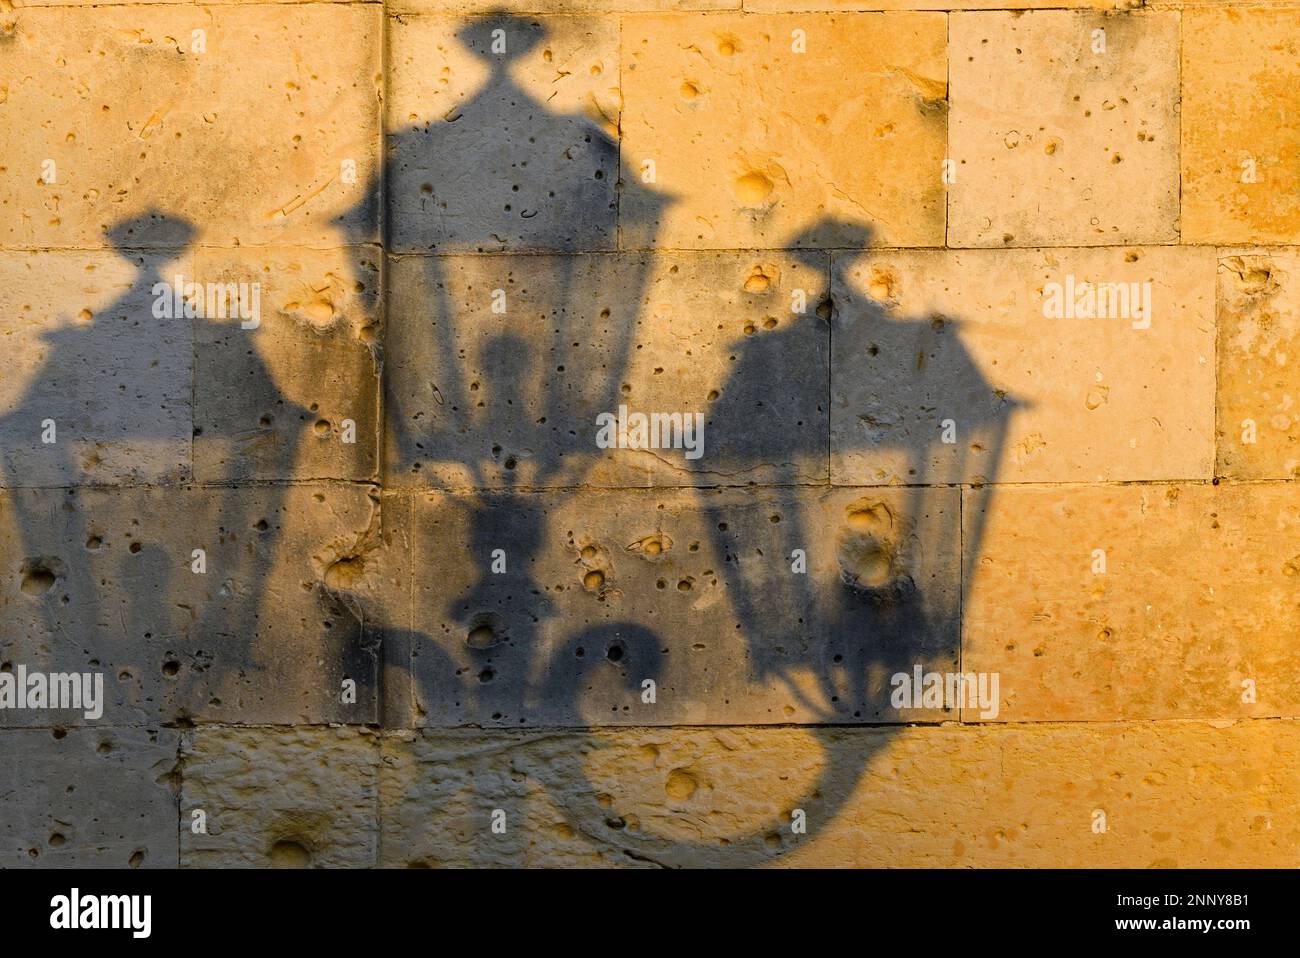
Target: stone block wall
968, 533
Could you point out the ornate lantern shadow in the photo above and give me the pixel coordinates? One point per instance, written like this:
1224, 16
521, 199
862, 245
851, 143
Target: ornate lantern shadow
111, 571
491, 410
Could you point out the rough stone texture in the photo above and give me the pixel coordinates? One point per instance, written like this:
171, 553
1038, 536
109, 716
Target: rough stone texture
101, 580
280, 798
924, 337
1199, 594
780, 177
1180, 795
88, 798
1259, 380
356, 680
1055, 145
695, 591
136, 121
272, 402
479, 399
1240, 72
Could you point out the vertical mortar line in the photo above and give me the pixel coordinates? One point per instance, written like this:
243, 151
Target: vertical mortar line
947, 120
618, 148
829, 294
1179, 152
381, 682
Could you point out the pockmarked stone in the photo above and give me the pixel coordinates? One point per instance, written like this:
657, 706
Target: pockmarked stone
89, 797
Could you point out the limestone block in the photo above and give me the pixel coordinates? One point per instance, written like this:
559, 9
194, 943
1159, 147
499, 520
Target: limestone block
280, 798
784, 6
557, 610
283, 399
1241, 126
502, 140
972, 339
89, 798
479, 398
1173, 795
104, 581
244, 132
96, 389
555, 6
1259, 383
756, 144
1194, 616
1055, 144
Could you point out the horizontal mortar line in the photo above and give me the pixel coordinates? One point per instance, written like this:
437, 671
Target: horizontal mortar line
233, 484
379, 731
394, 491
647, 250
194, 248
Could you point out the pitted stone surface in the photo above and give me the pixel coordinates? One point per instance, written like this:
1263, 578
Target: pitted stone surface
89, 797
698, 593
103, 580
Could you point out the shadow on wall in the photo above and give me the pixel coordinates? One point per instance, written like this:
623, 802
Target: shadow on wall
496, 413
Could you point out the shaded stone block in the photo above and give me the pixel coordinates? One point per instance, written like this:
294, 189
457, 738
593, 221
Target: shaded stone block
282, 400
89, 798
759, 606
502, 142
98, 387
480, 398
104, 581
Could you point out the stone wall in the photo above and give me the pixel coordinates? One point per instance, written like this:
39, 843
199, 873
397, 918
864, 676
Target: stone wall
975, 318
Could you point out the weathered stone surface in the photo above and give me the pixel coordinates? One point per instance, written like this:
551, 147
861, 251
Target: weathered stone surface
243, 143
280, 798
101, 580
1241, 126
850, 5
1199, 595
1055, 145
1174, 795
88, 798
696, 591
89, 367
274, 402
757, 145
924, 337
1259, 379
480, 399
510, 149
